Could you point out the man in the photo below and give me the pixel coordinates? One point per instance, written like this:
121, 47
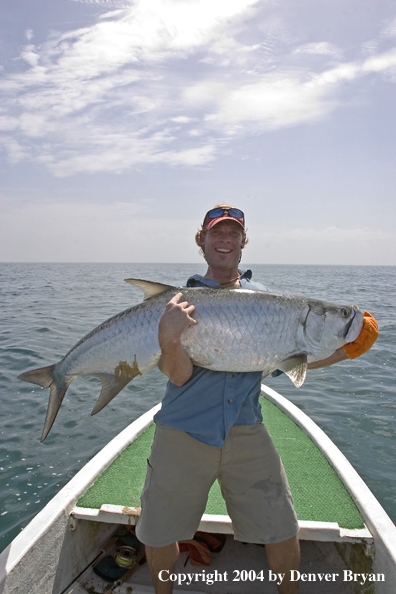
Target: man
210, 426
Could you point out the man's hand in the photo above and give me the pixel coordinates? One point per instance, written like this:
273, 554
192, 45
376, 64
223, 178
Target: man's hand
174, 362
175, 318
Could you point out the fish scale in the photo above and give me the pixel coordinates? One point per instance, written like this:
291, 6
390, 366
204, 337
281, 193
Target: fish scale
238, 330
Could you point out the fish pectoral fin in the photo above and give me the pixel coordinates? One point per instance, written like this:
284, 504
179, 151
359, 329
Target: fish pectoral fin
295, 368
111, 386
149, 288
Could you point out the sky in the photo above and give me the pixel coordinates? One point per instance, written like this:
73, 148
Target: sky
123, 121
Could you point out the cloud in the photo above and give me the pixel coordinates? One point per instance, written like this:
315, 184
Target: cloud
370, 47
168, 82
381, 63
331, 234
320, 245
43, 230
181, 119
281, 99
275, 101
322, 48
8, 123
117, 232
16, 152
389, 31
107, 3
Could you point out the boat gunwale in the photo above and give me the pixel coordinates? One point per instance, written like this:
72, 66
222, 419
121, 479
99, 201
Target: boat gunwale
375, 517
67, 497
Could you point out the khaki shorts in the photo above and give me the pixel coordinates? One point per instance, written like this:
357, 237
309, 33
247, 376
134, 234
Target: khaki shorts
252, 479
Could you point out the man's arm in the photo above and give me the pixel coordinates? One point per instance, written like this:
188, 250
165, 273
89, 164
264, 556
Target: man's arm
336, 357
174, 362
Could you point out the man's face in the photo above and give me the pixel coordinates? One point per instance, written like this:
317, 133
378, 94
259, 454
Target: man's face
222, 244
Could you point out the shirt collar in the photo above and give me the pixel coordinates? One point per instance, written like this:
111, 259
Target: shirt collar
197, 278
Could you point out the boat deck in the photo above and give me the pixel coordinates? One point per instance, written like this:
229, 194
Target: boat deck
77, 528
332, 530
321, 500
240, 569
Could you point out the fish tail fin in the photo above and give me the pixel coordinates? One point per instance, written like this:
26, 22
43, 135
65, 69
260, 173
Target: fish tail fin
45, 377
42, 377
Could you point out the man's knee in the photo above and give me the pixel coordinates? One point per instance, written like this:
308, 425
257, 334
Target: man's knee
285, 553
162, 557
162, 561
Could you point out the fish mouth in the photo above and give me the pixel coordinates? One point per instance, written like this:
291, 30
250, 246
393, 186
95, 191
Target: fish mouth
354, 326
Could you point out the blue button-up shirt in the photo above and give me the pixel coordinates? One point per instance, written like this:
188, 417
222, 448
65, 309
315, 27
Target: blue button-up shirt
211, 402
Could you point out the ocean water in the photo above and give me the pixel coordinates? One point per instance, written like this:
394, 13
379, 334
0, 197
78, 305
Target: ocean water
46, 308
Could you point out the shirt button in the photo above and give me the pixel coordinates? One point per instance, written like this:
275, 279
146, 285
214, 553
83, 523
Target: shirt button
230, 401
231, 375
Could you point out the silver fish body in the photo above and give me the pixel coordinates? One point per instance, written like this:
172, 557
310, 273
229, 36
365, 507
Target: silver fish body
237, 330
244, 330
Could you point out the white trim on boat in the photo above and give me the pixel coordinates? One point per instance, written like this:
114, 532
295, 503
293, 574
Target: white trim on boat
309, 530
67, 497
374, 515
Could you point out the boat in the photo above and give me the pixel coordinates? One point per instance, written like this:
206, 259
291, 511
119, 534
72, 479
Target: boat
348, 542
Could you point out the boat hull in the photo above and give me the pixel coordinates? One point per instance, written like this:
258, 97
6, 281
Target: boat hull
64, 538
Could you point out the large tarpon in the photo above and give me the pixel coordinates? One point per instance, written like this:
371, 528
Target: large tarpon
237, 330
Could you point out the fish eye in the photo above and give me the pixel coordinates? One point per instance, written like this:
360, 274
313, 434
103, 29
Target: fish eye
344, 312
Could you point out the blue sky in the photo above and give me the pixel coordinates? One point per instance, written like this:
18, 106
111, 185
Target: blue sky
122, 122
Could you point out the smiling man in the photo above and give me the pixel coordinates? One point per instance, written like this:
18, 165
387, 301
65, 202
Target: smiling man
210, 427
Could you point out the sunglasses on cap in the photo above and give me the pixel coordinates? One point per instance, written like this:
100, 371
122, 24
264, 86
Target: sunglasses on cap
219, 213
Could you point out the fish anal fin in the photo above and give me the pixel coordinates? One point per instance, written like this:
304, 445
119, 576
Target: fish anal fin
57, 394
149, 288
111, 386
295, 368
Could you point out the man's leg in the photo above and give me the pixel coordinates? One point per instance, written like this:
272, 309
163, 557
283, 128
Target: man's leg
180, 473
282, 557
162, 559
258, 499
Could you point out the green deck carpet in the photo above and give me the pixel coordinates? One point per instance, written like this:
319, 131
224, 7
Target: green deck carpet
318, 493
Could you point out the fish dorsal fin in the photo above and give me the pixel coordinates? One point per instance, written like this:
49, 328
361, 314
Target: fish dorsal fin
149, 288
295, 368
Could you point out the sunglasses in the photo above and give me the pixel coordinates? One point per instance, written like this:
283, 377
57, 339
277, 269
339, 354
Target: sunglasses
216, 213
